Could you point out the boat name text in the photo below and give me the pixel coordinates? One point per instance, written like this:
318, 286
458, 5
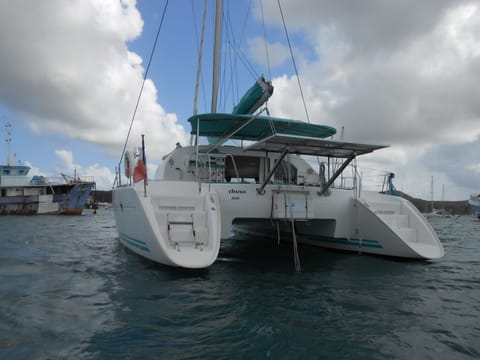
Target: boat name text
235, 191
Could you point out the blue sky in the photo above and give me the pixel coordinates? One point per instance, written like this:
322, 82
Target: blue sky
398, 73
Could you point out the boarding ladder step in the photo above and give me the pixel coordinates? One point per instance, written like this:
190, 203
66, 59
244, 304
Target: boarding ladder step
395, 220
384, 207
186, 228
391, 214
407, 234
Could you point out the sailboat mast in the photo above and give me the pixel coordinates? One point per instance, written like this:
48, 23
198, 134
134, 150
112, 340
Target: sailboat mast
200, 55
431, 192
216, 54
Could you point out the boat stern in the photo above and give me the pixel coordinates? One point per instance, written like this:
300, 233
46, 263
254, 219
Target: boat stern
396, 226
173, 224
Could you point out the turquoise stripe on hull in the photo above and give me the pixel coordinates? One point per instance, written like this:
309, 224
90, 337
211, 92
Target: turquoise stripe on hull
135, 242
363, 243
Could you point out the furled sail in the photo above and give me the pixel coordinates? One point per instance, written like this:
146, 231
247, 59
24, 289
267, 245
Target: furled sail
255, 97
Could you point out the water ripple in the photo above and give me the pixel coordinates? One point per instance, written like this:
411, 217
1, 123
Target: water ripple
69, 290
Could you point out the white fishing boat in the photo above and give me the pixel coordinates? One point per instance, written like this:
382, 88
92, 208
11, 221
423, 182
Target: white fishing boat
268, 185
474, 203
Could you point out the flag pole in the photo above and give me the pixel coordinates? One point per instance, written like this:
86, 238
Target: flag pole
145, 180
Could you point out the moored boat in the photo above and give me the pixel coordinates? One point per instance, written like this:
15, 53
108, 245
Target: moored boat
24, 195
474, 203
264, 184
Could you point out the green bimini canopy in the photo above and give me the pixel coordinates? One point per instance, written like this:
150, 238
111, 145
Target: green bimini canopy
251, 127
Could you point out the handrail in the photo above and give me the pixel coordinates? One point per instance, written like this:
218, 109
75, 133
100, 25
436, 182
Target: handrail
272, 171
336, 174
234, 166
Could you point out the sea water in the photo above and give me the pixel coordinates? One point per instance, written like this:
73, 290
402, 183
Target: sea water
69, 290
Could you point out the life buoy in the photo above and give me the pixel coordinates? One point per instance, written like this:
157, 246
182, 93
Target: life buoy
128, 164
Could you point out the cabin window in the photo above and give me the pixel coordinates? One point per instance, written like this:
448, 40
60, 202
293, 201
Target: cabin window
245, 170
210, 168
4, 192
6, 172
281, 174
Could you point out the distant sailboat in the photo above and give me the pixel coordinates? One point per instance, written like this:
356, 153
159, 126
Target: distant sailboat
437, 212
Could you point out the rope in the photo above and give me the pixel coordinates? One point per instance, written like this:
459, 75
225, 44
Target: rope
358, 232
278, 233
293, 61
296, 258
143, 83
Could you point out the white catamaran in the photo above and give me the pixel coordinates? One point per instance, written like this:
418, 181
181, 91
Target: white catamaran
201, 191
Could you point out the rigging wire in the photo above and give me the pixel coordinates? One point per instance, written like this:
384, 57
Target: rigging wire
198, 50
293, 60
265, 42
233, 45
200, 55
230, 86
143, 82
237, 53
230, 59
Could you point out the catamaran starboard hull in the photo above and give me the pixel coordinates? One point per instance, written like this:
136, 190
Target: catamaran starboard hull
375, 224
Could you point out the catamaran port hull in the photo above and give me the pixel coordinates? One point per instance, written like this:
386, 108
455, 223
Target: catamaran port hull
173, 224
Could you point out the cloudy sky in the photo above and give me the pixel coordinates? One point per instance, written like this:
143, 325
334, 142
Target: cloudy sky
403, 73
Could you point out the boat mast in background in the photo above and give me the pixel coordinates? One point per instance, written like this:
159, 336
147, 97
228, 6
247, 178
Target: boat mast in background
200, 56
216, 54
431, 195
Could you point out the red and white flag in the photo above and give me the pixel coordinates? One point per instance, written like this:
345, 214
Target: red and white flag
140, 171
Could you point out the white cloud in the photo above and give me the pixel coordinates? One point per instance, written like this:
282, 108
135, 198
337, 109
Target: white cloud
277, 53
474, 167
66, 68
65, 161
66, 165
405, 74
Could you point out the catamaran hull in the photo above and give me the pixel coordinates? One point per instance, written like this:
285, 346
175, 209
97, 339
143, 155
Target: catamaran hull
173, 224
161, 226
375, 224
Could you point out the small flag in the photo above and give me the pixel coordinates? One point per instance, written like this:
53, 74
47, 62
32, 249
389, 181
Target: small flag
140, 171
